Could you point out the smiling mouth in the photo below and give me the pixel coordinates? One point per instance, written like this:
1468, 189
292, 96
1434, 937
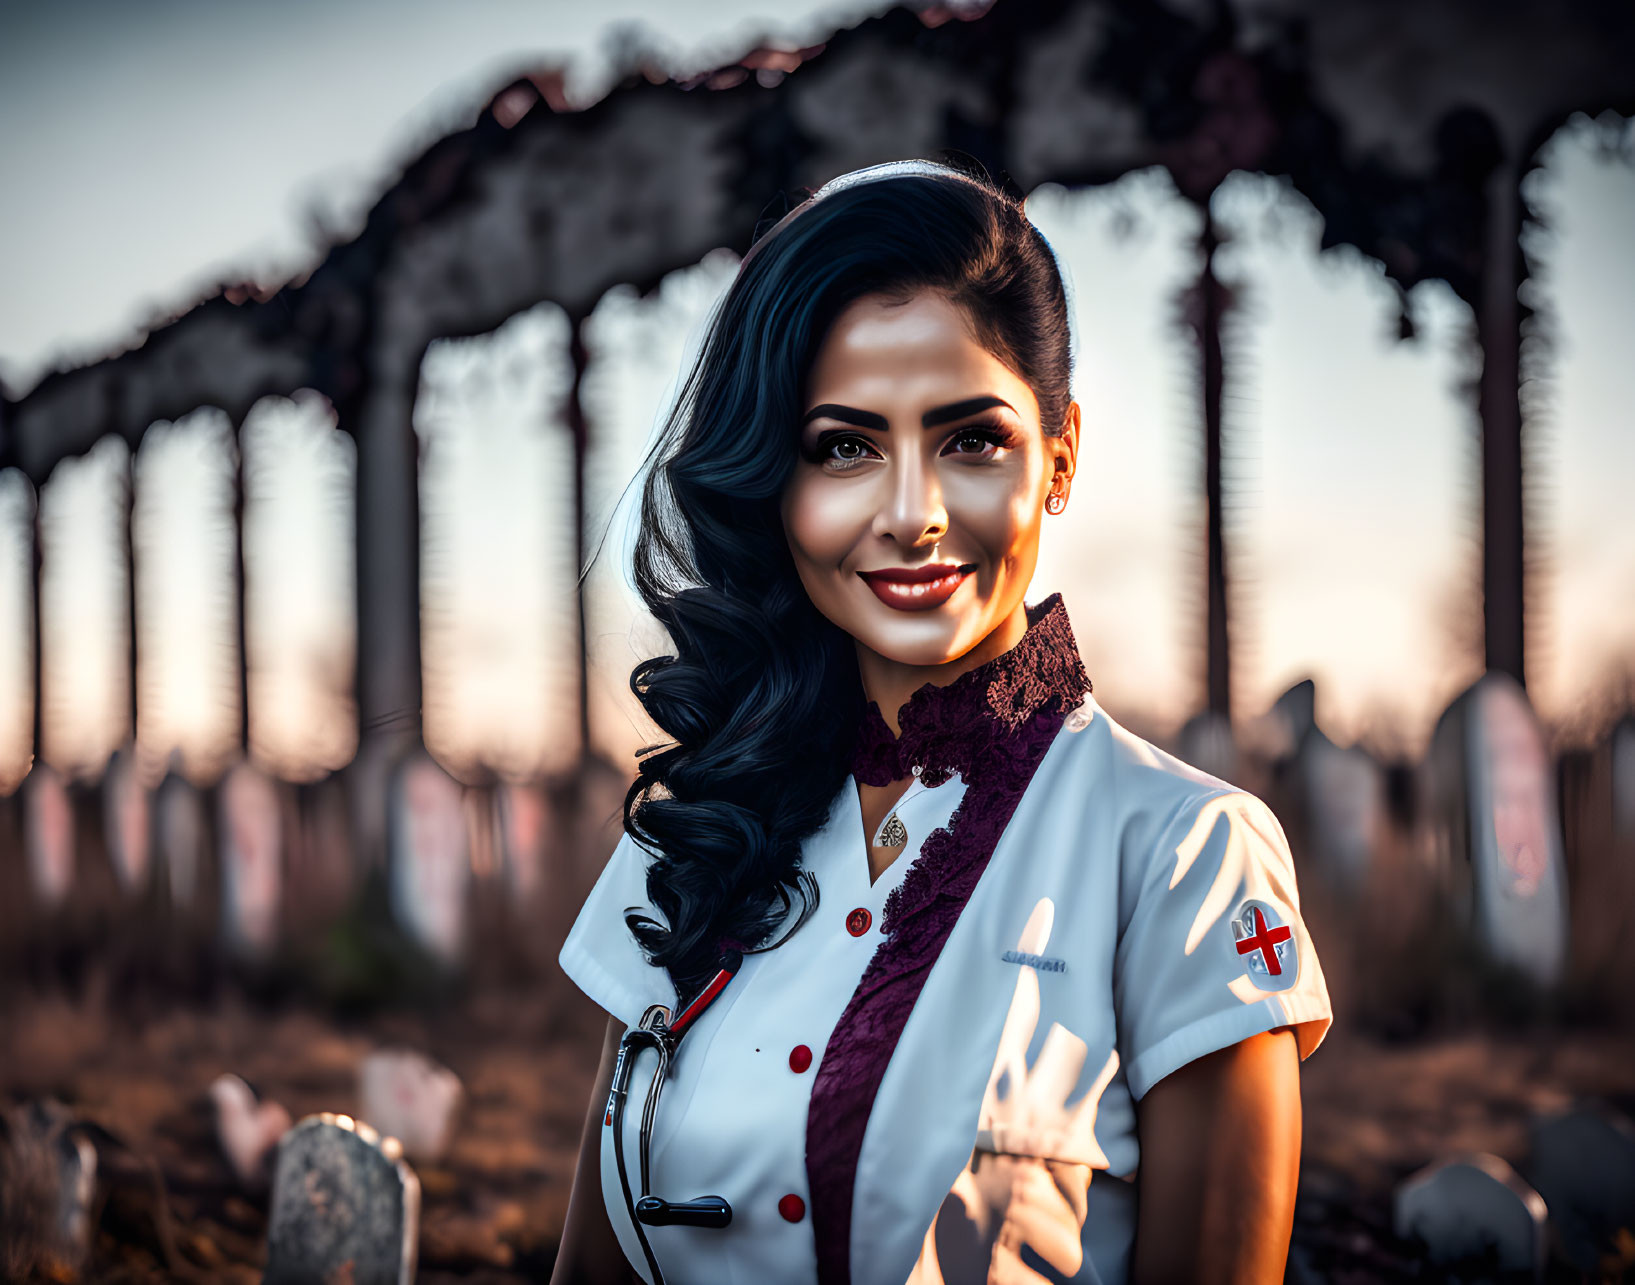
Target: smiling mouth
917, 588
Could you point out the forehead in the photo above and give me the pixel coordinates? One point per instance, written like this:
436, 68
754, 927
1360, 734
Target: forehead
919, 349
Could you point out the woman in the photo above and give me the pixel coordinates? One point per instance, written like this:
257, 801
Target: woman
965, 950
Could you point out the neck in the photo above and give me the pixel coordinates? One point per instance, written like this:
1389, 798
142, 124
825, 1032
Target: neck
889, 683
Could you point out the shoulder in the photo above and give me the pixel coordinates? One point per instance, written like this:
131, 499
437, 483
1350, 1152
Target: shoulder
1209, 947
1124, 787
626, 867
600, 953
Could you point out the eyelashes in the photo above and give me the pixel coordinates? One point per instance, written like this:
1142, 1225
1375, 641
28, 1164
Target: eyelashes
996, 435
982, 434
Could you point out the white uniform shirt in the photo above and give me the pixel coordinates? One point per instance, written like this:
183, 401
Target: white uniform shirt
1135, 914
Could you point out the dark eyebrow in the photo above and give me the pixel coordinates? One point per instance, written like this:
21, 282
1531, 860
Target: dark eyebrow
847, 415
959, 410
937, 415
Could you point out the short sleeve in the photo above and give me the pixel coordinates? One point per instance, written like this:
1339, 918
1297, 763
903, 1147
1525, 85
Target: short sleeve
1213, 949
601, 956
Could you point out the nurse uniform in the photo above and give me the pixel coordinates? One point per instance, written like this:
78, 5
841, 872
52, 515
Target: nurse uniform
934, 1079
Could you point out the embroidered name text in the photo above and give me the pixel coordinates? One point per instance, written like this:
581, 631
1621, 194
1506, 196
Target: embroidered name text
1044, 963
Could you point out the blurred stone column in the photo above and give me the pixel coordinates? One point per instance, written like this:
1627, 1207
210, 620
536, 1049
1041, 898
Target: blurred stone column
1211, 304
36, 569
388, 585
1498, 331
241, 594
130, 590
579, 360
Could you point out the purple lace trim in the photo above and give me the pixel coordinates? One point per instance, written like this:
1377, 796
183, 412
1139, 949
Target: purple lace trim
992, 725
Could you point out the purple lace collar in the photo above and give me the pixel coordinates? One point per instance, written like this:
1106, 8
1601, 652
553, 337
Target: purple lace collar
957, 727
992, 725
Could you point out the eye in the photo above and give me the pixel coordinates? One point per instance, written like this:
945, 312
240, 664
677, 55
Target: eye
841, 451
978, 441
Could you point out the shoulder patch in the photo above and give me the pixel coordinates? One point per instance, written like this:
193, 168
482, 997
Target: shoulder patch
1266, 947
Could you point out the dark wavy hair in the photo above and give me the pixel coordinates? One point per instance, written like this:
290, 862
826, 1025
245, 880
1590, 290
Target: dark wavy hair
762, 697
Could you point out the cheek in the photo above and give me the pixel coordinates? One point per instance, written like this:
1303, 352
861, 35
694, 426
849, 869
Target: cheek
821, 521
1002, 519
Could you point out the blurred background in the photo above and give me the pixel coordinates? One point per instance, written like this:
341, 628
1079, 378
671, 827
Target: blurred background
332, 337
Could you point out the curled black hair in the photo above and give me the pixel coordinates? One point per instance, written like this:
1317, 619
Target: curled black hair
762, 697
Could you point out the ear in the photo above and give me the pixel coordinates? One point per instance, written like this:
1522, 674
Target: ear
1064, 448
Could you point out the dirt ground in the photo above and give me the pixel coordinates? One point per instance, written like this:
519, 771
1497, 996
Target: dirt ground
492, 1210
1376, 1112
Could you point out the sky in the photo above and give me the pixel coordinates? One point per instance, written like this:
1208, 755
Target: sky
167, 147
167, 143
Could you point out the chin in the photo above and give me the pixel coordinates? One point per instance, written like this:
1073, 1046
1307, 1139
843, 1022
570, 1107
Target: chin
921, 638
922, 657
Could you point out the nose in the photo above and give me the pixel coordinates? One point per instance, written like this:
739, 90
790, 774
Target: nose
912, 513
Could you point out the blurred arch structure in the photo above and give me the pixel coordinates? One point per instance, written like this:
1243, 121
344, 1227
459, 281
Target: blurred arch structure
1409, 125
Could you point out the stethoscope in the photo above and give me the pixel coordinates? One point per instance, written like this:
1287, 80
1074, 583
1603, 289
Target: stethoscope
656, 1031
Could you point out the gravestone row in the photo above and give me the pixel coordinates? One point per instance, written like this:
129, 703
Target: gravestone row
265, 862
1489, 806
1485, 804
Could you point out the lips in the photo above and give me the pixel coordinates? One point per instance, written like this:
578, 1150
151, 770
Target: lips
917, 588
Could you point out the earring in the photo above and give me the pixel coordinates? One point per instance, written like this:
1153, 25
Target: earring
1055, 502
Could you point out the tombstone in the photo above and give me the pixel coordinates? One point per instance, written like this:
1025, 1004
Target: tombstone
1270, 738
48, 828
410, 1098
1297, 711
251, 861
317, 879
50, 1172
344, 1207
524, 822
248, 1128
1495, 791
179, 831
1584, 795
329, 877
1473, 1209
1583, 1164
1335, 795
1206, 743
126, 821
428, 860
1344, 803
483, 841
1623, 777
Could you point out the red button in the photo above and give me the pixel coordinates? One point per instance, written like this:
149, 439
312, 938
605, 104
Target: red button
792, 1207
800, 1057
857, 923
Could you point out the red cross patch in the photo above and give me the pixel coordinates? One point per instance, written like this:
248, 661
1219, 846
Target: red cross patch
1266, 946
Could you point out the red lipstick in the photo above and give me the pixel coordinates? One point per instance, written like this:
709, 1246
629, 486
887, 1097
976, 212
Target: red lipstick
917, 588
